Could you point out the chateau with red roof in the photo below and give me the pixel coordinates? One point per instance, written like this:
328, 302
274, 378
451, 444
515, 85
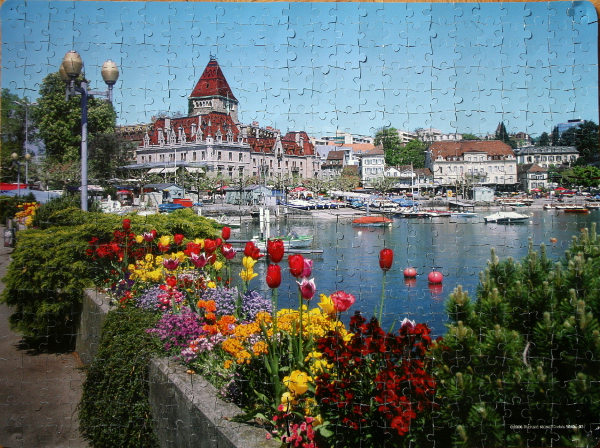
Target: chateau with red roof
211, 139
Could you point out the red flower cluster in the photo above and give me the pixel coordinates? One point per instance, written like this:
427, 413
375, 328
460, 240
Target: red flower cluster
393, 363
123, 243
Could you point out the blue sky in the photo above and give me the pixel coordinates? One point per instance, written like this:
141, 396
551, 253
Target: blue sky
325, 66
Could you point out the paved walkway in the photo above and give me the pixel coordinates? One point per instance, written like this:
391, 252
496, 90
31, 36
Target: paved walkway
39, 392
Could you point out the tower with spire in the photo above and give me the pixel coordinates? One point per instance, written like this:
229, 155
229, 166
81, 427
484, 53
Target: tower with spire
212, 93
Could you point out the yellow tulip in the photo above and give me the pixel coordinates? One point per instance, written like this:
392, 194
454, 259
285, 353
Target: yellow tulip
326, 304
248, 262
139, 239
211, 285
297, 382
248, 274
218, 265
164, 240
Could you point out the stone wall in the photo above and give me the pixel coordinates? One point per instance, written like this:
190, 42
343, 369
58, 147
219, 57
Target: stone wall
186, 409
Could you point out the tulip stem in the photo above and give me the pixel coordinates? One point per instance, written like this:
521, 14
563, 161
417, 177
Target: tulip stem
382, 298
299, 362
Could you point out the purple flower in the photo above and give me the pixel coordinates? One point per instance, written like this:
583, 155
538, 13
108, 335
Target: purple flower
225, 299
149, 299
178, 330
253, 303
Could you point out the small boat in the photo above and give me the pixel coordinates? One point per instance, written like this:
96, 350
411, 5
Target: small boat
576, 209
506, 217
372, 221
291, 241
463, 214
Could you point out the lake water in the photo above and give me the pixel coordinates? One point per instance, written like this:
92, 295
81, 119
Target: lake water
459, 249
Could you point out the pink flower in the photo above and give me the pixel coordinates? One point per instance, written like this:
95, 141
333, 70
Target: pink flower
228, 251
198, 260
307, 288
148, 236
308, 264
171, 263
342, 301
410, 324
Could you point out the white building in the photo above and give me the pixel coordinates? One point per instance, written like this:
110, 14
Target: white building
546, 156
481, 162
372, 167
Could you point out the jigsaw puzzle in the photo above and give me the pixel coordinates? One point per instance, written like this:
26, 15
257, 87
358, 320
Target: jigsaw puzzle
299, 224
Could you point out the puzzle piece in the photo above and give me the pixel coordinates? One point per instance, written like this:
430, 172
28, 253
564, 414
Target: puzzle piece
284, 95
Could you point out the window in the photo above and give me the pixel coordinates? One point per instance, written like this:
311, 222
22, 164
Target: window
241, 157
202, 155
194, 156
219, 155
230, 156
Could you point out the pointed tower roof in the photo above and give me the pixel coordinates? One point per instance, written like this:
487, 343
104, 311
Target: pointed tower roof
212, 83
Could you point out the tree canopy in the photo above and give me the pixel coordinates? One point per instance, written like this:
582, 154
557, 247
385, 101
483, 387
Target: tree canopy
59, 120
390, 140
12, 123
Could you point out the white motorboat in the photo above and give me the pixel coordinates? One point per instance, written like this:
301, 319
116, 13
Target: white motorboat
506, 217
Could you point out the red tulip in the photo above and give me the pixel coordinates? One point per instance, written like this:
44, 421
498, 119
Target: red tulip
219, 241
149, 237
210, 246
154, 233
342, 301
273, 276
178, 238
171, 263
252, 251
386, 259
127, 224
226, 233
212, 258
171, 281
296, 263
275, 249
228, 251
192, 248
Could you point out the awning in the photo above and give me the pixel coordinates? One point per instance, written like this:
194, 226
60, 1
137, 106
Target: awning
171, 169
190, 169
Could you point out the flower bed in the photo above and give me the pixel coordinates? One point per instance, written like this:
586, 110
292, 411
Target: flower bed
311, 382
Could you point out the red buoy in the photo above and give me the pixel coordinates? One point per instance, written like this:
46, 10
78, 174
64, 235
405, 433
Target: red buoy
410, 273
435, 277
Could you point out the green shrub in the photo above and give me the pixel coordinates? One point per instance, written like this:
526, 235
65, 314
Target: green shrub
114, 410
520, 362
50, 268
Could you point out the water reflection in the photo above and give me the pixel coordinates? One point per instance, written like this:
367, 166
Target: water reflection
459, 250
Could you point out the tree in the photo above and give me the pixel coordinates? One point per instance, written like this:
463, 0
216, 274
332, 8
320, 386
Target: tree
390, 140
469, 136
567, 138
586, 141
106, 152
413, 154
555, 137
12, 124
585, 176
503, 136
59, 120
544, 140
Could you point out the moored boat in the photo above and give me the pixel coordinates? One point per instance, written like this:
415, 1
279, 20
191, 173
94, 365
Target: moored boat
372, 221
576, 209
506, 217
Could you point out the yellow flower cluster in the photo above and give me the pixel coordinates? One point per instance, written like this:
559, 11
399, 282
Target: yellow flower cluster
314, 322
236, 345
148, 269
318, 366
28, 212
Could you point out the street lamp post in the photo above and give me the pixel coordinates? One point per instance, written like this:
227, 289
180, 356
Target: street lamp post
26, 105
16, 161
70, 69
